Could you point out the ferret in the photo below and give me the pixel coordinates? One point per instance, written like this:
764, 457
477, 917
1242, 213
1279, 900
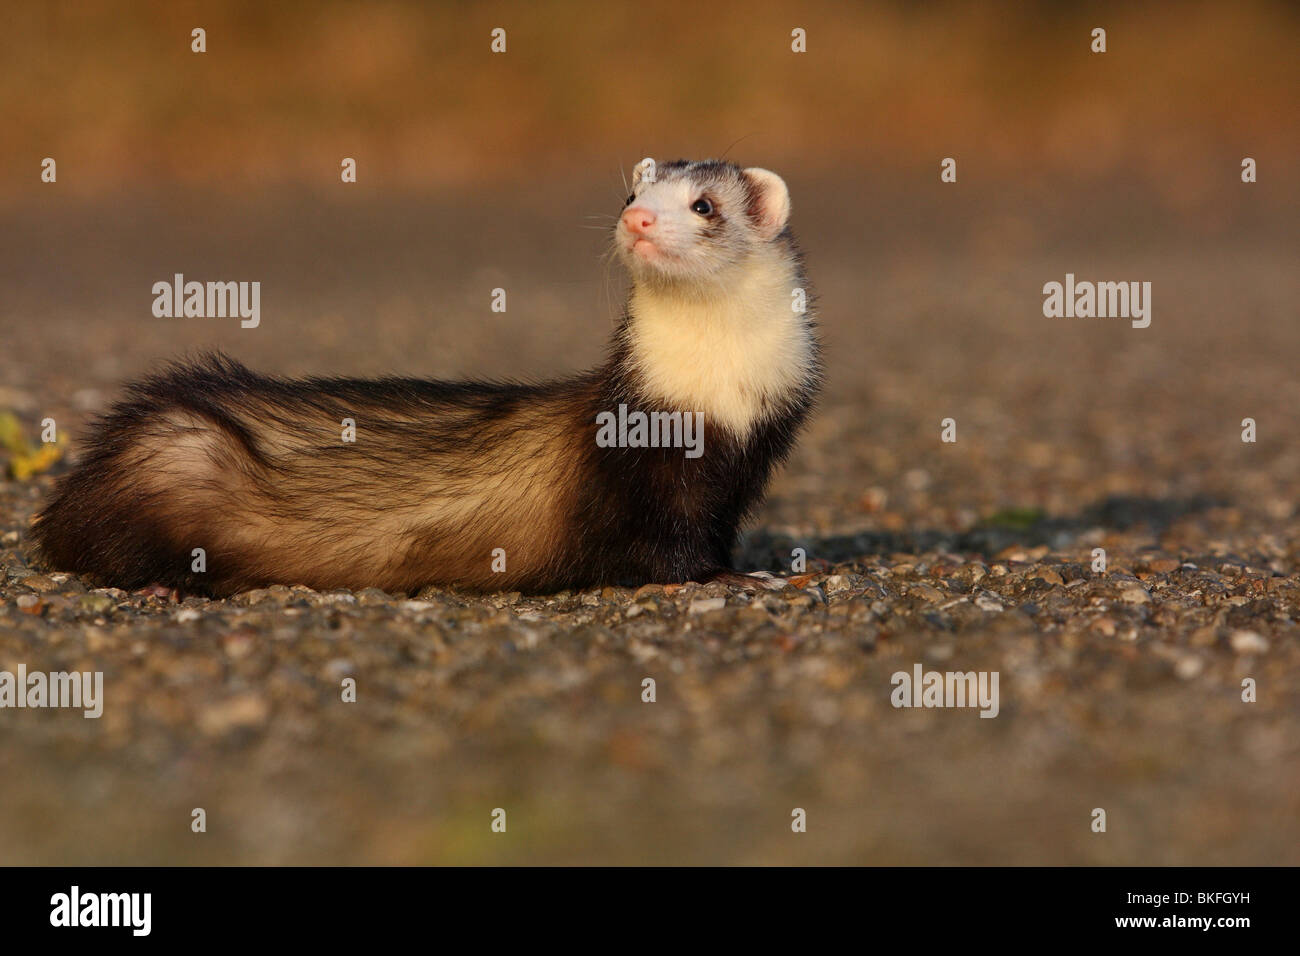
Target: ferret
483, 486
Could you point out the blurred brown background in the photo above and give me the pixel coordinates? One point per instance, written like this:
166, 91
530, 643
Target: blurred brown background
413, 92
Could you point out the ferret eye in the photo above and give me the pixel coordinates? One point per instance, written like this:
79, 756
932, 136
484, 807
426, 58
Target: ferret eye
702, 207
629, 200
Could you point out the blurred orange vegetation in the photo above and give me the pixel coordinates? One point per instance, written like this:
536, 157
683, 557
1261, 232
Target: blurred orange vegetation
412, 90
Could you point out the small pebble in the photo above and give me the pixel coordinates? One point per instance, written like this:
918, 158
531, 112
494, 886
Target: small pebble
704, 605
1248, 642
243, 711
1135, 595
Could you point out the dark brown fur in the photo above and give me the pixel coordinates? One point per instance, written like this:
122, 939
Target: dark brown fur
252, 469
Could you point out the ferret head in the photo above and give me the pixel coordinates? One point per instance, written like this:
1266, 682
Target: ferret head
693, 222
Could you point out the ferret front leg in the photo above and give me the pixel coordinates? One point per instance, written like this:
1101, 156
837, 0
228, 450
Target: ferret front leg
161, 591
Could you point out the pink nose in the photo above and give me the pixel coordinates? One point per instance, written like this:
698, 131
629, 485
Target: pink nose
638, 220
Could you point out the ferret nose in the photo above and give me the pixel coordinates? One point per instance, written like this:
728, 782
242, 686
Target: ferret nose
638, 220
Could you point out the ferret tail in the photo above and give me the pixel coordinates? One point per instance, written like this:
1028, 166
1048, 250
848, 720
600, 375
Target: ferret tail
124, 515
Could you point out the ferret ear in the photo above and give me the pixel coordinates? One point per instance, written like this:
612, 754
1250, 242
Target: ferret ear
769, 205
643, 170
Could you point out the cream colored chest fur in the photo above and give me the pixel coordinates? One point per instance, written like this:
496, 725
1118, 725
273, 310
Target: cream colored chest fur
732, 355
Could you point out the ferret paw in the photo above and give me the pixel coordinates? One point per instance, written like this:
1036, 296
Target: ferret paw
753, 581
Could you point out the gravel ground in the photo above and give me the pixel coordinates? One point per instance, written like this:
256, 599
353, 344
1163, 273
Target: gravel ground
1119, 689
